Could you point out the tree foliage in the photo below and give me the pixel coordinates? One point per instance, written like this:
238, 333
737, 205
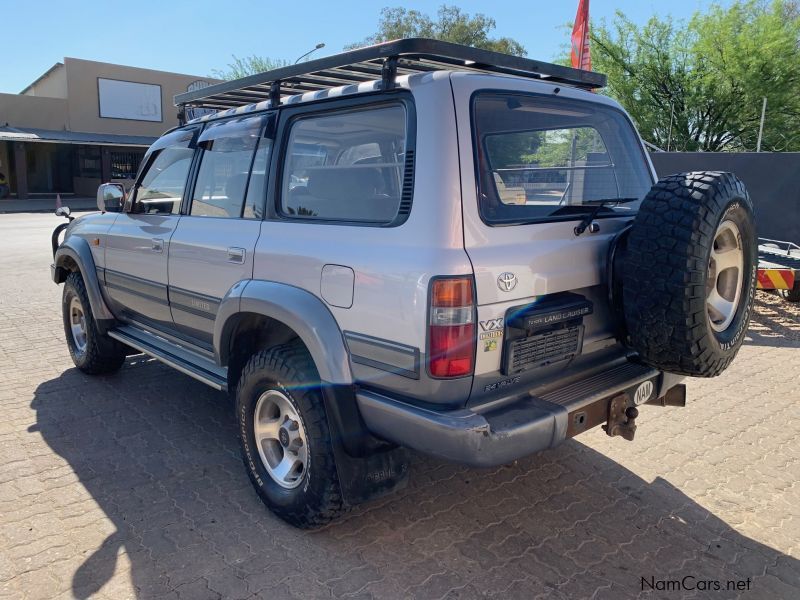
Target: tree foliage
548, 148
249, 65
712, 71
451, 24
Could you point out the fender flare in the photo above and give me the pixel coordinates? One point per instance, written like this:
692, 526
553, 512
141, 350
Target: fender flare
77, 249
367, 467
296, 308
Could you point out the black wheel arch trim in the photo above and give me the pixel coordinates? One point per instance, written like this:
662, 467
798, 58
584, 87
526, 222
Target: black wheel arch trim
77, 249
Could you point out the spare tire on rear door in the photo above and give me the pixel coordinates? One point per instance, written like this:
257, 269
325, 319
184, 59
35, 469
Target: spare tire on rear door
689, 273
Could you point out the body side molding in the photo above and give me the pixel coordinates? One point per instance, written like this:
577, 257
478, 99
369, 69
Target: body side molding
296, 308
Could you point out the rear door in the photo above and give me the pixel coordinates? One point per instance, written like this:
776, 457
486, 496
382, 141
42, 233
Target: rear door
137, 245
212, 247
535, 161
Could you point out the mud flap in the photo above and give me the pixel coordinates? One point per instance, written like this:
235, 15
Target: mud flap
368, 468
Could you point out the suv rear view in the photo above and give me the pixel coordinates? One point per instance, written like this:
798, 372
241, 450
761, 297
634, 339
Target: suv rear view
430, 247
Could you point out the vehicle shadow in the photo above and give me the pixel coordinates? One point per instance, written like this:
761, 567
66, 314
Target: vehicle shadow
775, 322
158, 453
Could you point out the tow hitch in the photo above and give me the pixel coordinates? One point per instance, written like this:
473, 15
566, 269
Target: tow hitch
621, 418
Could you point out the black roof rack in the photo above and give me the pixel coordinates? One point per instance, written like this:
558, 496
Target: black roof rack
384, 62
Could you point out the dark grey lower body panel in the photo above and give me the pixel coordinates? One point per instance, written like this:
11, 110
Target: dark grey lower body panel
502, 432
383, 354
182, 359
194, 314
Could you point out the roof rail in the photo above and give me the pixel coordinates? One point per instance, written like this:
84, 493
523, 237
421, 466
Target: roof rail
380, 62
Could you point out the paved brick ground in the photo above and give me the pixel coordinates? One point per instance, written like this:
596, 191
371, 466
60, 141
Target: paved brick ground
131, 486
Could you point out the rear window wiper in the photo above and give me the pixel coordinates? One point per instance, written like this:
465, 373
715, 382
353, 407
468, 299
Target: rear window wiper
598, 206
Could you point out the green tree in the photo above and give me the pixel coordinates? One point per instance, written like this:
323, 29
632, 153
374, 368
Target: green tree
249, 65
712, 72
451, 24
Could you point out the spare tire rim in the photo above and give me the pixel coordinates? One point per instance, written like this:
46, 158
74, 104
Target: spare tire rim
280, 439
725, 276
77, 326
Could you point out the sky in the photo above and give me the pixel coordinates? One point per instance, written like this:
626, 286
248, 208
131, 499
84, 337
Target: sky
199, 36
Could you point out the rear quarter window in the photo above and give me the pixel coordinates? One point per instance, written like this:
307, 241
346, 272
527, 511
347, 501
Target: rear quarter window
346, 166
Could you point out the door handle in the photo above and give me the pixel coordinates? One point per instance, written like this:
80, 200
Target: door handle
158, 245
236, 255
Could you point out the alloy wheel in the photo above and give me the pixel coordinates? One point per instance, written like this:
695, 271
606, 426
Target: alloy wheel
281, 439
725, 276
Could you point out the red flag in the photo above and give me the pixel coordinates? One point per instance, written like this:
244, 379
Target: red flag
581, 57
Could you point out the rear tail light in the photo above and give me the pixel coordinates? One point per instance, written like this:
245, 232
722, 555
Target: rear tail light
451, 333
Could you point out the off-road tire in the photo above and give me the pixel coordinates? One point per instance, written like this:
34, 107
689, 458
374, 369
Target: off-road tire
792, 295
289, 369
102, 353
666, 267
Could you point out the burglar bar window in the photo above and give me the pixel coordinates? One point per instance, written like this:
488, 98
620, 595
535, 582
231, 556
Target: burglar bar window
125, 165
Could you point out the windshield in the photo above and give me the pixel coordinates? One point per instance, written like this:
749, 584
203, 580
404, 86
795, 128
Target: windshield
542, 158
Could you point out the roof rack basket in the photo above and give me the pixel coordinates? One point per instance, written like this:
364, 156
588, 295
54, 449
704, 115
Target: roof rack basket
380, 62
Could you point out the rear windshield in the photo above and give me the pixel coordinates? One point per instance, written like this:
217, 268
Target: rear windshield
549, 158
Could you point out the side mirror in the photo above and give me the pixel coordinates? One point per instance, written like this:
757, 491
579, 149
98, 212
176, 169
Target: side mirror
63, 211
110, 197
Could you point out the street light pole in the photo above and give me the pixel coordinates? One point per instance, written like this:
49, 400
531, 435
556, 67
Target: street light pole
314, 49
761, 126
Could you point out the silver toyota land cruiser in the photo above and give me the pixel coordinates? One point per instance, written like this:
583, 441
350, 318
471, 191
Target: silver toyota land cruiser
412, 245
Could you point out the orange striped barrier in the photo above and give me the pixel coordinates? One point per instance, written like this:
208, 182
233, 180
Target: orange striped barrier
775, 279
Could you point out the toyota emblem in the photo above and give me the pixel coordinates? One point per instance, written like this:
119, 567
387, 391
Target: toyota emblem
507, 281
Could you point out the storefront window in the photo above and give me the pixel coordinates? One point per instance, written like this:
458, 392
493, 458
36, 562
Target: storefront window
89, 162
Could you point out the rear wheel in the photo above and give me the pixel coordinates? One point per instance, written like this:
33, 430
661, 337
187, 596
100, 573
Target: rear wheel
689, 273
92, 351
285, 438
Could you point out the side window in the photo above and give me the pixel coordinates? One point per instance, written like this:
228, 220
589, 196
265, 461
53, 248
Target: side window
163, 182
345, 166
222, 180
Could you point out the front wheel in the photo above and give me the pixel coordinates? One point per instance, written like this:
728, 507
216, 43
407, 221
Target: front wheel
92, 351
285, 438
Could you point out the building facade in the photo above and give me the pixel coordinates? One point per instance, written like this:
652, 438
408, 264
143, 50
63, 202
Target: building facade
82, 123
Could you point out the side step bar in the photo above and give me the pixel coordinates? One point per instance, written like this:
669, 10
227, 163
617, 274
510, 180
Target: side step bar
179, 358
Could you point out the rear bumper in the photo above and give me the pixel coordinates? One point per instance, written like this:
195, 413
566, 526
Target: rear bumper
506, 430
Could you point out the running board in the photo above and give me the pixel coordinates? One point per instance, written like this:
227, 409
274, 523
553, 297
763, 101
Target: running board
179, 358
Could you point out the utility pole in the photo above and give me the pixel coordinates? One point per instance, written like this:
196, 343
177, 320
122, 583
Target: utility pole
761, 126
671, 115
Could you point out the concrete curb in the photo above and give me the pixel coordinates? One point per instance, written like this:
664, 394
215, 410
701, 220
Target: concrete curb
45, 205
